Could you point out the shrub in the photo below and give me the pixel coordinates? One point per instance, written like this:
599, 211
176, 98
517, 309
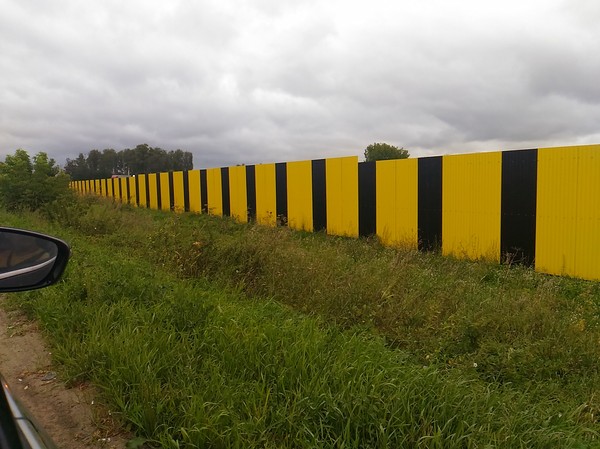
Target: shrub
31, 185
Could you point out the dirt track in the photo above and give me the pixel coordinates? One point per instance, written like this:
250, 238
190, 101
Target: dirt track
66, 414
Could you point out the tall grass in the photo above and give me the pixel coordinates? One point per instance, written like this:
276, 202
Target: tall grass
516, 325
357, 345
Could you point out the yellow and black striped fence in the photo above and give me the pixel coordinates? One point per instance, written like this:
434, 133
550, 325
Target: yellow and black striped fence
537, 206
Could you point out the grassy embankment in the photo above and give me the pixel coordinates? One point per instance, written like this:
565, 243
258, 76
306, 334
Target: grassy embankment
201, 332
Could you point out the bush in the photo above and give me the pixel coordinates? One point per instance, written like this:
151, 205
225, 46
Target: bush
31, 185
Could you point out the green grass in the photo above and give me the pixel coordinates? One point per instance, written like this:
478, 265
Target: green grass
201, 332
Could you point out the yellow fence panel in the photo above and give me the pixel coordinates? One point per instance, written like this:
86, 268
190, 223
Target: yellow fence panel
587, 249
214, 191
556, 210
153, 189
397, 207
165, 193
568, 211
142, 179
194, 191
299, 195
117, 189
132, 192
123, 187
178, 192
471, 203
238, 197
342, 196
385, 191
110, 191
266, 203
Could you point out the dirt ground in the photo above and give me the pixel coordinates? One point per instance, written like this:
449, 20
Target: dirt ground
68, 415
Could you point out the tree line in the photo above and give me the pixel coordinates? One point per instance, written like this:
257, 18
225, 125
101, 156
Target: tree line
130, 161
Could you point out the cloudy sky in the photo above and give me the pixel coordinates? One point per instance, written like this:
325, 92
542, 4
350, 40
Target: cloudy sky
250, 81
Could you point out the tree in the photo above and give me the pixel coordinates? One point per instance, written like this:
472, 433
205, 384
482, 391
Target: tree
77, 168
15, 176
383, 152
28, 185
107, 165
181, 160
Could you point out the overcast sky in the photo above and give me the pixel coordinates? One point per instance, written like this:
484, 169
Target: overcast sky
251, 81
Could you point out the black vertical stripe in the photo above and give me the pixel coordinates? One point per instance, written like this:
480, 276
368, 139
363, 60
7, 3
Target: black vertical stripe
128, 190
430, 203
112, 183
203, 191
319, 195
519, 202
251, 192
137, 190
367, 198
171, 191
158, 195
281, 193
225, 191
186, 191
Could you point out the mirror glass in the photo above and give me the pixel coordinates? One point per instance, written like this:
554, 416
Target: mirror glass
25, 260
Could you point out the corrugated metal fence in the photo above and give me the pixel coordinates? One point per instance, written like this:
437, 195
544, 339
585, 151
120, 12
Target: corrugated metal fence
537, 206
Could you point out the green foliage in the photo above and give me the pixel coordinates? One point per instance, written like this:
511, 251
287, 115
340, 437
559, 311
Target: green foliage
141, 159
384, 151
27, 185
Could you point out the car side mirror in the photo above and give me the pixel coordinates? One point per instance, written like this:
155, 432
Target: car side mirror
29, 260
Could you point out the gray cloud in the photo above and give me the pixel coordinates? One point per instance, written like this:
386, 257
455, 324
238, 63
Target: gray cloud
280, 80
